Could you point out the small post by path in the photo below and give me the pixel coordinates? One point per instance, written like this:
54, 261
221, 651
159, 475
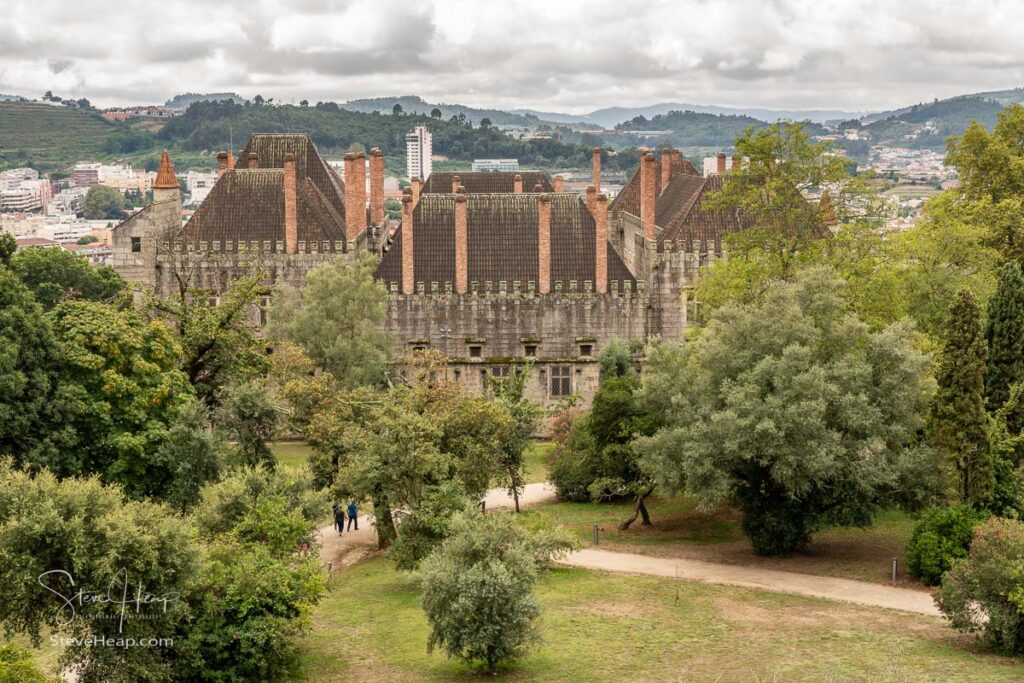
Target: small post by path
483, 506
595, 535
894, 560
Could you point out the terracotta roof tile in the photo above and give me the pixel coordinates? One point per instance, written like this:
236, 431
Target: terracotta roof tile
165, 178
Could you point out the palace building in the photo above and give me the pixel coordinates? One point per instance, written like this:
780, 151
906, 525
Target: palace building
495, 269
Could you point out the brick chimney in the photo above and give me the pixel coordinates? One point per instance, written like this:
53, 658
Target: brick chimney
595, 168
591, 198
461, 243
291, 212
231, 161
544, 244
517, 184
254, 160
408, 272
417, 185
376, 186
351, 210
648, 192
666, 167
456, 183
222, 163
737, 162
538, 188
559, 183
601, 244
721, 163
360, 192
675, 155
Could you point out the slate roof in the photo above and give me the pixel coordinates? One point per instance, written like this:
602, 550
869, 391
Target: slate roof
476, 182
271, 148
248, 204
628, 199
502, 242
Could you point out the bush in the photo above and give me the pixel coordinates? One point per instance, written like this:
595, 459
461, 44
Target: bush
16, 666
246, 616
942, 536
478, 587
984, 593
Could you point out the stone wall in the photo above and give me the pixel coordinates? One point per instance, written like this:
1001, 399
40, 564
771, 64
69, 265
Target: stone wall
483, 333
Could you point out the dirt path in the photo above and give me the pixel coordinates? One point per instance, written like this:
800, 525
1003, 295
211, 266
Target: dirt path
845, 590
352, 546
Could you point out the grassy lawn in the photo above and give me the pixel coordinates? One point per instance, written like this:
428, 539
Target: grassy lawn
680, 530
291, 453
599, 626
535, 459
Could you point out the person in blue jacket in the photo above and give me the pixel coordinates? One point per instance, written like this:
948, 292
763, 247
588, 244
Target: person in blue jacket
353, 516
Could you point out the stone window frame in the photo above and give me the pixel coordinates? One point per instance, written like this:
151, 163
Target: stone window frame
136, 245
559, 381
530, 350
587, 349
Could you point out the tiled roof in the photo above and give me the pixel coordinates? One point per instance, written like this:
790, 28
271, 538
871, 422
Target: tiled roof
476, 182
165, 178
628, 199
270, 149
502, 242
248, 204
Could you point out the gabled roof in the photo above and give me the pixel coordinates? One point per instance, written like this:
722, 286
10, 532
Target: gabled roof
502, 242
248, 204
628, 199
476, 182
270, 149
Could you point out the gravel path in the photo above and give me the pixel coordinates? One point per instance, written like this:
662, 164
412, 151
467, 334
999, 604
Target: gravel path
350, 547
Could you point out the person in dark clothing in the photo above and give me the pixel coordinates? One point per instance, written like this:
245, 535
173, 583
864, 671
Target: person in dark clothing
353, 515
339, 519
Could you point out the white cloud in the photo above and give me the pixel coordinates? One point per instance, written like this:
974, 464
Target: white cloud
573, 55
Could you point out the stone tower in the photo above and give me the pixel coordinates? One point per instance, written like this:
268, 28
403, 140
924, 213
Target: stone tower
136, 239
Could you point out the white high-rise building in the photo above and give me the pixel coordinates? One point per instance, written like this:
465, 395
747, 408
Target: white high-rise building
418, 148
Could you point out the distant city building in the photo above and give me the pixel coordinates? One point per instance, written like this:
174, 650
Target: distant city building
85, 174
418, 150
21, 189
69, 201
718, 165
510, 165
199, 185
145, 112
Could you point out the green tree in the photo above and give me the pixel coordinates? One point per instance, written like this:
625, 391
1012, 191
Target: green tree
78, 534
249, 416
28, 373
960, 421
8, 245
1004, 333
338, 318
983, 594
435, 113
510, 392
793, 410
18, 666
120, 392
397, 110
54, 275
102, 201
782, 165
478, 588
219, 346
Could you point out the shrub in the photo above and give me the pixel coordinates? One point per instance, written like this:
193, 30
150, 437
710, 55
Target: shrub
16, 666
984, 593
246, 615
478, 587
942, 536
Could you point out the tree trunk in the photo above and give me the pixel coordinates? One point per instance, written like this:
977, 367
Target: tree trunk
639, 510
515, 497
386, 532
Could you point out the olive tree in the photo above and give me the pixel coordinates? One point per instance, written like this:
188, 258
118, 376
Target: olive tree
793, 410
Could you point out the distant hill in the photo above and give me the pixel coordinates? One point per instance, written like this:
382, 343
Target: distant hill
185, 100
10, 98
47, 137
691, 129
610, 117
412, 104
929, 125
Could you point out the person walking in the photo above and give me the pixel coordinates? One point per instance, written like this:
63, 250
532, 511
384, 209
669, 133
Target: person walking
353, 515
339, 518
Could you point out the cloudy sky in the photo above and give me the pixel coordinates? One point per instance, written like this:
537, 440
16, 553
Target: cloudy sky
565, 55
